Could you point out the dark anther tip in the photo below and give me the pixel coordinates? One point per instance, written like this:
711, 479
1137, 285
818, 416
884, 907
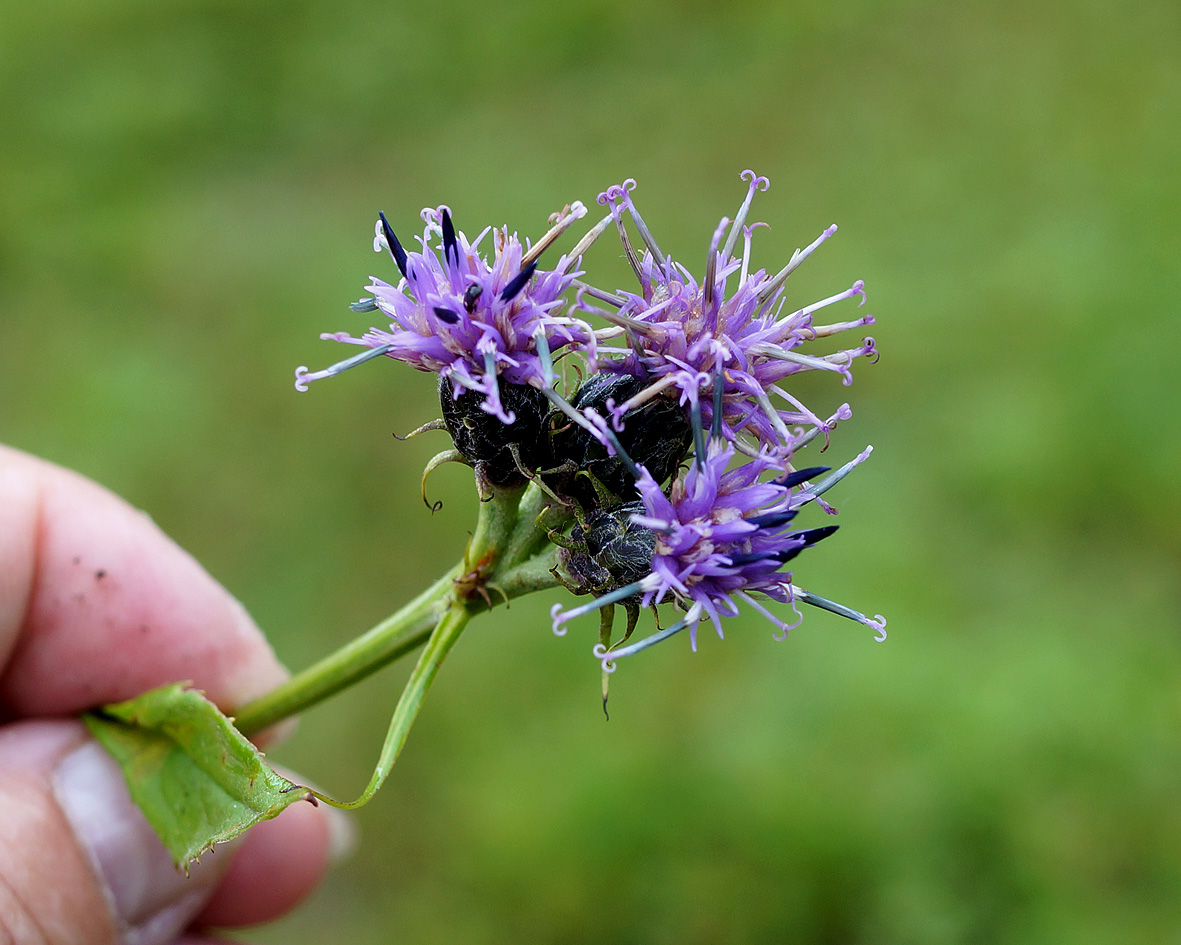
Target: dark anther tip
446, 315
513, 289
396, 249
450, 245
813, 535
802, 475
741, 560
773, 519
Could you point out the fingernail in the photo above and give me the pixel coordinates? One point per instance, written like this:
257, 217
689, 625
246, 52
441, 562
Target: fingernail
150, 898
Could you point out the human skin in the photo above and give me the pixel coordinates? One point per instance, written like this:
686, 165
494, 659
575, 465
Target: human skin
97, 605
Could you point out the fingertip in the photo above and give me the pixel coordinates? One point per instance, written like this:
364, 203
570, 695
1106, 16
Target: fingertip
99, 605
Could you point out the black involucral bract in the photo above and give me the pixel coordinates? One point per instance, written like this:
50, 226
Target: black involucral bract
607, 550
656, 434
498, 451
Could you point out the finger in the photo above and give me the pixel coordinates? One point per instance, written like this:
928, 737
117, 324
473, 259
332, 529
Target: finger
33, 821
80, 864
98, 605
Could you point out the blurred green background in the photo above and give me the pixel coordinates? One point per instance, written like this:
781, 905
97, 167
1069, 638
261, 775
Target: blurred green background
188, 191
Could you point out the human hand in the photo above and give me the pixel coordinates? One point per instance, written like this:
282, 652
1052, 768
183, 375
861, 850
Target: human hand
97, 605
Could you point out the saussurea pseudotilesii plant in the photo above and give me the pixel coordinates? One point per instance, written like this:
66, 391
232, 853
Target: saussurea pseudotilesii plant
637, 446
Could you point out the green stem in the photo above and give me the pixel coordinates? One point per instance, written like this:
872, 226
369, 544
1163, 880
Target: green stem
394, 637
437, 648
507, 556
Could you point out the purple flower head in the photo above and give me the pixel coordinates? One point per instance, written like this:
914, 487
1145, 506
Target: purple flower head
681, 334
722, 534
471, 321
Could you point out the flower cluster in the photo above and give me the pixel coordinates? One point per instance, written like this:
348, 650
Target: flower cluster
672, 465
682, 335
721, 533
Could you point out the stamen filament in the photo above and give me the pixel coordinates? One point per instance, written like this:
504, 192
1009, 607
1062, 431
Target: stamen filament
823, 331
772, 414
711, 270
646, 235
782, 625
698, 432
638, 400
608, 657
576, 211
625, 321
560, 616
833, 478
797, 259
302, 377
628, 250
740, 217
715, 427
599, 433
585, 243
877, 622
602, 295
783, 354
543, 355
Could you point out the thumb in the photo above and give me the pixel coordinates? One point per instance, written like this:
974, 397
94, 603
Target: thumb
78, 861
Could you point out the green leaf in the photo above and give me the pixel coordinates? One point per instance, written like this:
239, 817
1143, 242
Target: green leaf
198, 780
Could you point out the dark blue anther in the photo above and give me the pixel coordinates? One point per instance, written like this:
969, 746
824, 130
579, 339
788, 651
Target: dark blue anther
698, 432
450, 246
715, 427
513, 289
396, 250
802, 475
772, 519
812, 535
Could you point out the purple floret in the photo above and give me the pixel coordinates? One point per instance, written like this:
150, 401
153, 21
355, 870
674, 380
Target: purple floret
472, 322
720, 535
680, 333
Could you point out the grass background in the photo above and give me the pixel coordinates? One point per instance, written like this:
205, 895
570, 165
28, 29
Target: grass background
188, 191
